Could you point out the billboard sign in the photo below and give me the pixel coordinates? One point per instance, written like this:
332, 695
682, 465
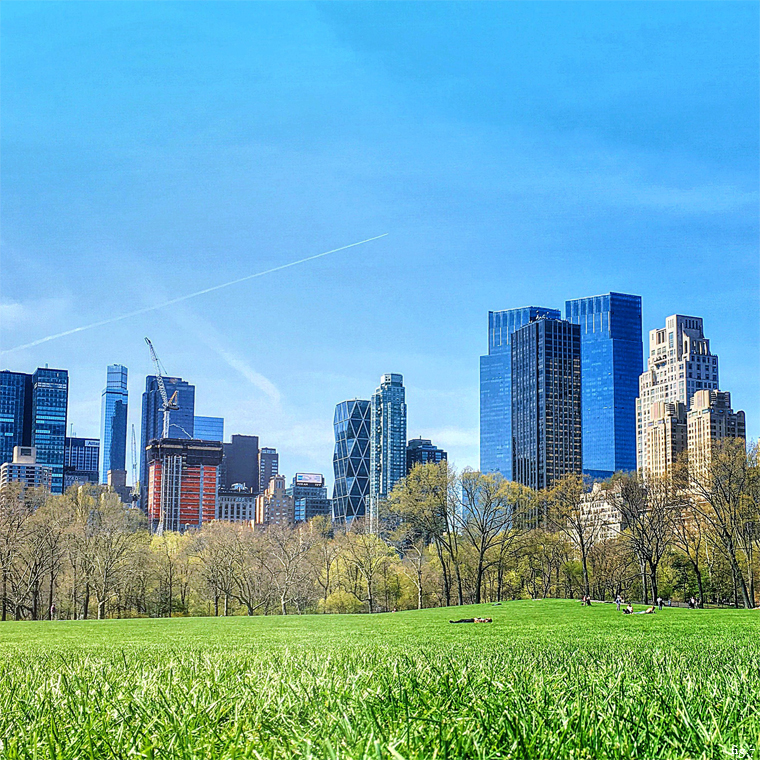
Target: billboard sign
309, 479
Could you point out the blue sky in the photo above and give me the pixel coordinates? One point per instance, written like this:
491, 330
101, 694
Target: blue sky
515, 153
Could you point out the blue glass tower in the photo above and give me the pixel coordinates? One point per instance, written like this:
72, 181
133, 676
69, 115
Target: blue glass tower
15, 412
351, 459
387, 438
113, 422
496, 387
50, 399
611, 362
181, 421
208, 428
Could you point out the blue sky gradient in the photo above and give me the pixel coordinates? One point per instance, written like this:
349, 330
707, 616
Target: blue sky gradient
516, 153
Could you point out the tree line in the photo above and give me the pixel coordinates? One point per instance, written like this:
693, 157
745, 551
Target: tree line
442, 538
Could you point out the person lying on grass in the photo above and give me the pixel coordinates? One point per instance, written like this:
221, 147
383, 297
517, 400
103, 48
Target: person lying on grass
472, 620
647, 611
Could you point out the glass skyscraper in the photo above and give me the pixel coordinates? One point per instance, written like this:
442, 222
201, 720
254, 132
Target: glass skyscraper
113, 422
15, 412
80, 461
496, 387
611, 362
387, 438
181, 421
209, 428
50, 398
546, 402
351, 459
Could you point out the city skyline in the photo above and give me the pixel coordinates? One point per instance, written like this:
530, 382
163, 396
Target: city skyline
519, 172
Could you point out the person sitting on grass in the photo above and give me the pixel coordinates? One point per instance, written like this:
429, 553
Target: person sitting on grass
628, 610
473, 620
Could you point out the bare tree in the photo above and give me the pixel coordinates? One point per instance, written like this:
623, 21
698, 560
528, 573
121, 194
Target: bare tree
486, 518
288, 549
648, 509
575, 518
723, 496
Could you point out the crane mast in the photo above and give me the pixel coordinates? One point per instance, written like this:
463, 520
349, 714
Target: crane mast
167, 404
135, 486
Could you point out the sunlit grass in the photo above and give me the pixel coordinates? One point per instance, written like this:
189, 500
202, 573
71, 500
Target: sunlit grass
546, 680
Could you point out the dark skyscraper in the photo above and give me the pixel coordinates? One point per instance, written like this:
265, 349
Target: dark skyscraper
546, 402
269, 466
422, 451
15, 412
181, 421
50, 399
113, 421
240, 465
80, 461
496, 385
351, 459
611, 362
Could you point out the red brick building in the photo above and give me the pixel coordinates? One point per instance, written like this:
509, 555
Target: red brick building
182, 482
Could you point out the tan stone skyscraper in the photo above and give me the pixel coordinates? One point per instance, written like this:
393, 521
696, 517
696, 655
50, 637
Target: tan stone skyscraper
665, 437
679, 364
710, 420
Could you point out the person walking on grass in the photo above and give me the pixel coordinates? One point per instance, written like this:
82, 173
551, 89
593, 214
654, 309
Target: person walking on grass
618, 601
659, 603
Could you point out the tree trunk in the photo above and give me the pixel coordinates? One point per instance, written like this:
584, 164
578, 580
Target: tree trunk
216, 604
459, 584
445, 574
50, 595
86, 602
584, 562
653, 579
700, 586
101, 608
226, 605
644, 585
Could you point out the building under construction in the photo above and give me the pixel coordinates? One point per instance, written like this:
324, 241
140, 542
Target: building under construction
182, 482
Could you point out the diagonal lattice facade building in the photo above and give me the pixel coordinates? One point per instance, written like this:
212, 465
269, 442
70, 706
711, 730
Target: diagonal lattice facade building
351, 459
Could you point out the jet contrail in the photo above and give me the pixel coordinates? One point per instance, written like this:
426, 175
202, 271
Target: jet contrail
188, 296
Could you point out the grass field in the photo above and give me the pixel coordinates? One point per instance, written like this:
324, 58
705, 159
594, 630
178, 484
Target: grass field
548, 679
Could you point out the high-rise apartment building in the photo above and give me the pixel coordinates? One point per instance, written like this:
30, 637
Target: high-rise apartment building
710, 420
23, 469
181, 421
50, 400
182, 482
33, 410
15, 412
546, 402
422, 451
269, 466
309, 496
387, 438
351, 460
611, 362
240, 466
208, 428
678, 365
496, 386
80, 461
665, 438
274, 506
113, 421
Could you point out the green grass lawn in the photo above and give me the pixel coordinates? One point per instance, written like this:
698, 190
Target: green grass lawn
548, 679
